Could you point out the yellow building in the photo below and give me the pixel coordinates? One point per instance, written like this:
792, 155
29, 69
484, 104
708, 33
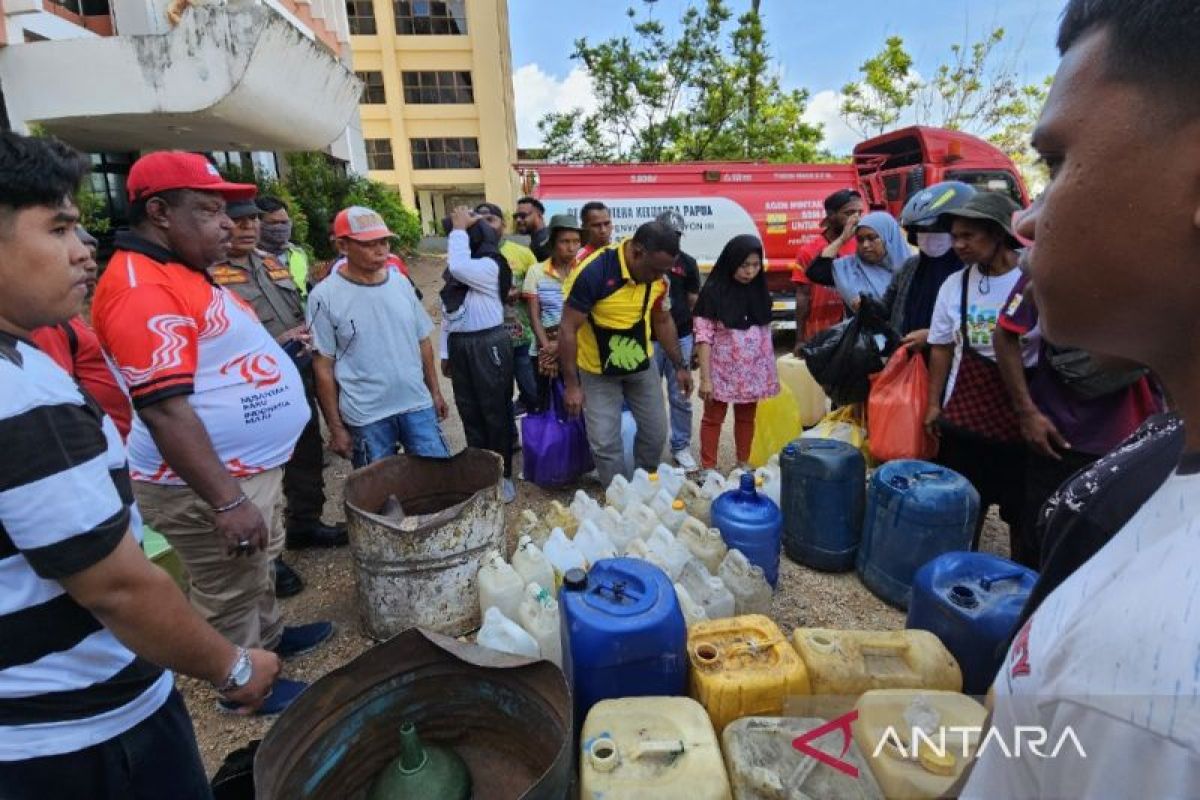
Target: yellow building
437, 103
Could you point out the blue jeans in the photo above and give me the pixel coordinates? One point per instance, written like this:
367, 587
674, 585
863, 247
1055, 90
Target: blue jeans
418, 432
681, 407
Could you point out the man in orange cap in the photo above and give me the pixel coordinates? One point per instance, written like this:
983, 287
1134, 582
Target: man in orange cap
219, 404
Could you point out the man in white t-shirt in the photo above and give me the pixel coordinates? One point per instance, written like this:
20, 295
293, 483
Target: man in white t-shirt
1112, 656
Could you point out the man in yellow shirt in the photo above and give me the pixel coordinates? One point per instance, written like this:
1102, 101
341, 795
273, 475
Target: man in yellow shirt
605, 350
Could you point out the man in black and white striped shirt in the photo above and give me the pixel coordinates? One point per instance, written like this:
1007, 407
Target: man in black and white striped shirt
88, 626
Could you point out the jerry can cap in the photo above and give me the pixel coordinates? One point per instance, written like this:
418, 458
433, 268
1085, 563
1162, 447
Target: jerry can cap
575, 579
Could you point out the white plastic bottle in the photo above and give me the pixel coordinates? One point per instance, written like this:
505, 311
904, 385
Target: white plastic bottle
594, 543
672, 554
531, 564
559, 516
661, 502
714, 486
676, 516
532, 526
563, 554
697, 503
771, 484
619, 493
499, 586
644, 484
639, 520
705, 543
501, 633
583, 506
670, 479
637, 549
693, 612
707, 590
538, 615
751, 592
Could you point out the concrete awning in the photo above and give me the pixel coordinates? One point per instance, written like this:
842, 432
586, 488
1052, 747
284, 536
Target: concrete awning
236, 77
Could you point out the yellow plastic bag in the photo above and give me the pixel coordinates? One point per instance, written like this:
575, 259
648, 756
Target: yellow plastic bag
776, 422
843, 424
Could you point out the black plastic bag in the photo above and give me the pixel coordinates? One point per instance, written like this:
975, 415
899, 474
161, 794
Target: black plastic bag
843, 358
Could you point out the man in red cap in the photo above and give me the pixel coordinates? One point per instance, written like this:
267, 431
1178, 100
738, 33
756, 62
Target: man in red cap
373, 350
219, 404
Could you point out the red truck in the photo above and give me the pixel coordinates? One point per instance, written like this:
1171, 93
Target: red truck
781, 203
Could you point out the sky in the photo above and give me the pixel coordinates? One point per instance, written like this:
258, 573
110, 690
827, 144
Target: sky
818, 45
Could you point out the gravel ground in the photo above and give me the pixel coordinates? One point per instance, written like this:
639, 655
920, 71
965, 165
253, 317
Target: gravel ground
804, 597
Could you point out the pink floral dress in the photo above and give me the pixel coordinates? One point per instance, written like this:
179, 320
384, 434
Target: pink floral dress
742, 363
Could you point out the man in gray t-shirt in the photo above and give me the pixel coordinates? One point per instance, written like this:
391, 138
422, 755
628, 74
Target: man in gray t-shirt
374, 356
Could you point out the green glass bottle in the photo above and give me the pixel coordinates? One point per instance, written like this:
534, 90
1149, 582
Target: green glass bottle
422, 773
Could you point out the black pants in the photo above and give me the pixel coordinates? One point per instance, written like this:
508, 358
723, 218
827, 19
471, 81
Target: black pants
481, 367
303, 482
997, 471
154, 759
1043, 476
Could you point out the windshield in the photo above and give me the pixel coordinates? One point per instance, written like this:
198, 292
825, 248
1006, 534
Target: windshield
990, 181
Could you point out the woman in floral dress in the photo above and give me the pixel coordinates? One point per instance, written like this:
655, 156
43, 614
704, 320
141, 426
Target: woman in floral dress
733, 344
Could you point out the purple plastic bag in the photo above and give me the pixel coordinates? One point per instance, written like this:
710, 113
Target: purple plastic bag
554, 447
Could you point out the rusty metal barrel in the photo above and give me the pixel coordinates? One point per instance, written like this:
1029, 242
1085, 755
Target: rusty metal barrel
418, 568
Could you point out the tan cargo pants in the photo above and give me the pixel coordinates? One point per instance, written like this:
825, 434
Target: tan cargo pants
236, 594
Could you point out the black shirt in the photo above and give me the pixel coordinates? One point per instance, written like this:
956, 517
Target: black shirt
539, 243
685, 280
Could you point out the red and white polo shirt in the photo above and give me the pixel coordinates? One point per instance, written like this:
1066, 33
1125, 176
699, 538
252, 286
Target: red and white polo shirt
171, 331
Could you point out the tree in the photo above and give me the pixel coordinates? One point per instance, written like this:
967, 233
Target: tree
1015, 136
887, 89
684, 97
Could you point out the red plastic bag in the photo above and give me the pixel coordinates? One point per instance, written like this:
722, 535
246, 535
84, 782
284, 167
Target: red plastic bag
896, 409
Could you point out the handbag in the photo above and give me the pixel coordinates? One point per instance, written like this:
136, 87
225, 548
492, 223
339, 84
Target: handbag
554, 446
979, 405
1079, 372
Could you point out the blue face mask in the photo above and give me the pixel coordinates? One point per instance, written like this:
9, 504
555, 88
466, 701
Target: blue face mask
274, 236
935, 245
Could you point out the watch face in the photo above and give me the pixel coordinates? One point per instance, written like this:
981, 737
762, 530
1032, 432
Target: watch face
242, 671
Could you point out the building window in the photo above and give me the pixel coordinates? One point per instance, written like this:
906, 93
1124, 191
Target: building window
438, 87
361, 16
431, 17
372, 91
379, 154
445, 153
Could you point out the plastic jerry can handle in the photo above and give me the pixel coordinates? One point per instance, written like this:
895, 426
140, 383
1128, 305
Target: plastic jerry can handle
658, 748
987, 581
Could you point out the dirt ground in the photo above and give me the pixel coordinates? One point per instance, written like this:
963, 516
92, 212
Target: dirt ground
804, 597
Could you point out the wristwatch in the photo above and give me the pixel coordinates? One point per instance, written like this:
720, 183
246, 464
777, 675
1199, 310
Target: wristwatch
239, 674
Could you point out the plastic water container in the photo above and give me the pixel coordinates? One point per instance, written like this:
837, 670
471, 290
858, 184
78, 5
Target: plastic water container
671, 479
766, 478
764, 765
594, 543
499, 632
500, 586
885, 715
709, 591
531, 525
743, 666
714, 486
751, 522
848, 663
824, 492
610, 521
563, 554
671, 552
971, 601
639, 520
623, 633
705, 543
693, 612
661, 502
695, 501
644, 485
532, 565
916, 511
637, 549
584, 506
618, 494
677, 516
810, 397
746, 582
559, 516
538, 615
651, 747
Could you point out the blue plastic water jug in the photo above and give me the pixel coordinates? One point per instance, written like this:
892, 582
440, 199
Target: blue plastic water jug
971, 601
915, 512
822, 499
751, 522
623, 633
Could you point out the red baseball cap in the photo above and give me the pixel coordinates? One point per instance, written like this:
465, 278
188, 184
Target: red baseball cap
361, 224
175, 169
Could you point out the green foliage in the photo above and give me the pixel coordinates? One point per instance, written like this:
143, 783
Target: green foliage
93, 210
1014, 136
888, 87
315, 190
703, 93
625, 353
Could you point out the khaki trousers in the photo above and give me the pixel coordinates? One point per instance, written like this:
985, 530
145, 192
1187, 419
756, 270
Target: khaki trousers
235, 594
